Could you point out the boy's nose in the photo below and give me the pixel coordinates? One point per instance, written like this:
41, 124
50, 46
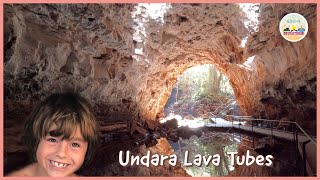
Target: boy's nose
62, 149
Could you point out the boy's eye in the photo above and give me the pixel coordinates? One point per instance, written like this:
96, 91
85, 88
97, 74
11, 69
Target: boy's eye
75, 145
52, 140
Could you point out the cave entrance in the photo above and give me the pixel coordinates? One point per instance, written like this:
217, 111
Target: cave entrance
200, 93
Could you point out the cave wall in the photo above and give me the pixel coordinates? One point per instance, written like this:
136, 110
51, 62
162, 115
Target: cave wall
90, 48
286, 72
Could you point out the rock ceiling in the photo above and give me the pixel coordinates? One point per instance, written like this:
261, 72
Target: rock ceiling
127, 62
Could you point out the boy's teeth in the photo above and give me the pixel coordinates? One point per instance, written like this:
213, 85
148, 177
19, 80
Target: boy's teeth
58, 164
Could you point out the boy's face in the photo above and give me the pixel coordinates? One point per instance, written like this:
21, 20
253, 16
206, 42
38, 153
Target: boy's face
57, 157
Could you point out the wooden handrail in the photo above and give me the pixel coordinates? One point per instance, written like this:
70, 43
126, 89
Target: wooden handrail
252, 119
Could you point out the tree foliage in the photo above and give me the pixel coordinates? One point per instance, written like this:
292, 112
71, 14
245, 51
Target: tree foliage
203, 81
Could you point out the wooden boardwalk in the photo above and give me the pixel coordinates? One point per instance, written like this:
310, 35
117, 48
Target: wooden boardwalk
311, 153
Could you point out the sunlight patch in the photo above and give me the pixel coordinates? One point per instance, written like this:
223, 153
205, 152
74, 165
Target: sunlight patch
252, 11
144, 12
249, 63
244, 41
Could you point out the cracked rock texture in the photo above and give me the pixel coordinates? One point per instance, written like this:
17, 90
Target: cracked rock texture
90, 48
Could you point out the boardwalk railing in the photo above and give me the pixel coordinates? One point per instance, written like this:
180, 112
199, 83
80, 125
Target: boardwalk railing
292, 127
240, 122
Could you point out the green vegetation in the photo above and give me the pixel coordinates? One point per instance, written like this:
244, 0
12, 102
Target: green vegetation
203, 82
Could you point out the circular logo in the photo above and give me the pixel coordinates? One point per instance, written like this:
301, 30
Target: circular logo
293, 27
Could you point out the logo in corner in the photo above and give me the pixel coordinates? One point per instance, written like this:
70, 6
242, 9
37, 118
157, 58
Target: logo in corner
293, 27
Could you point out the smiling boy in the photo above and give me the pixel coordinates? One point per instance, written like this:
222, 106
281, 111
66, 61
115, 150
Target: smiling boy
61, 136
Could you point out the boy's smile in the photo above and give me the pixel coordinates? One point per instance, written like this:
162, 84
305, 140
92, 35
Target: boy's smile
60, 157
59, 164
